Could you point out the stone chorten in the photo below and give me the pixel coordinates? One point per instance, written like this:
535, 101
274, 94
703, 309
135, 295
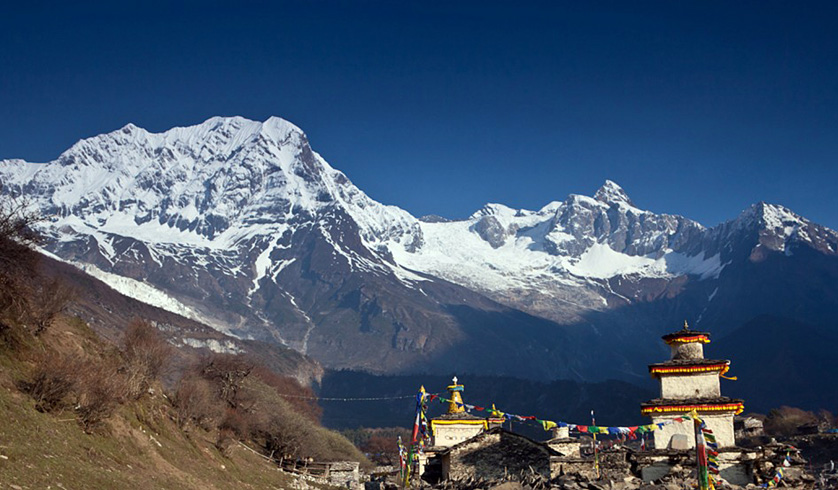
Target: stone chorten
456, 425
690, 382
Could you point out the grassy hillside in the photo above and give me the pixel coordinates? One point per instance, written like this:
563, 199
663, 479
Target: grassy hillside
139, 446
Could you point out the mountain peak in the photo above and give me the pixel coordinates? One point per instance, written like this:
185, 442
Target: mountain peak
610, 192
494, 209
130, 128
277, 125
769, 216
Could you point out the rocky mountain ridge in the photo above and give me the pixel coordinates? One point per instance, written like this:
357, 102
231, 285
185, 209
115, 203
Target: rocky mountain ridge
240, 225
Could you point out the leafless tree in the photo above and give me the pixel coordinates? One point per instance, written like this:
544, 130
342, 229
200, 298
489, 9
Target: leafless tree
17, 259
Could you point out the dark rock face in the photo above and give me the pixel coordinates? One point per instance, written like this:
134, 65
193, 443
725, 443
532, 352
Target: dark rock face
490, 229
624, 228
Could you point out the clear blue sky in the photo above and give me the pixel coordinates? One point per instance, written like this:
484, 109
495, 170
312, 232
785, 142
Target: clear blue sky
695, 108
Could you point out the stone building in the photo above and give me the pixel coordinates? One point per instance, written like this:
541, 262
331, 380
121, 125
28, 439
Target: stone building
563, 443
496, 454
450, 429
745, 427
690, 382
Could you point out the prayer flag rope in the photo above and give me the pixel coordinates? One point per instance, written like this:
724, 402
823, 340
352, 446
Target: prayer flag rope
629, 431
363, 399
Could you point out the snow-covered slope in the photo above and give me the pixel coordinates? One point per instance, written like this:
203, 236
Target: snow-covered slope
575, 244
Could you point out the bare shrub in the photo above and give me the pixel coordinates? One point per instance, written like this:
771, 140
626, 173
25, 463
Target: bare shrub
257, 407
11, 335
784, 421
301, 398
239, 422
146, 357
225, 441
54, 380
383, 450
288, 432
332, 446
99, 390
92, 387
195, 402
227, 373
826, 418
280, 428
47, 302
17, 259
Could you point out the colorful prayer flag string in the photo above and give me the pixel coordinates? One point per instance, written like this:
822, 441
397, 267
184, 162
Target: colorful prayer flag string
629, 431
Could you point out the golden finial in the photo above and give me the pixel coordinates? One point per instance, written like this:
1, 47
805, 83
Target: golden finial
456, 404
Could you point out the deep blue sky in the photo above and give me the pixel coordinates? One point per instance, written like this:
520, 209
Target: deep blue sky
695, 108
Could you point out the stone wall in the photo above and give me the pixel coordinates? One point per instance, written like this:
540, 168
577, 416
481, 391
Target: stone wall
567, 447
688, 386
448, 435
692, 350
345, 474
560, 466
736, 466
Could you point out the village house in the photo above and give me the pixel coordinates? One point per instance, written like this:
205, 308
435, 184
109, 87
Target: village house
465, 446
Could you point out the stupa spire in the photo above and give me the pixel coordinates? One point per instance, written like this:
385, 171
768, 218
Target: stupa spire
456, 404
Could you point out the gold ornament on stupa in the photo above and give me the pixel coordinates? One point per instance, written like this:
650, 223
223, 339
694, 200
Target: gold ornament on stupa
454, 394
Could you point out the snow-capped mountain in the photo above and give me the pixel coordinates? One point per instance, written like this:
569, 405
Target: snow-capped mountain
241, 225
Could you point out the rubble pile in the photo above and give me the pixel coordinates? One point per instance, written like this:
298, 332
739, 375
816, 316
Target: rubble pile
616, 475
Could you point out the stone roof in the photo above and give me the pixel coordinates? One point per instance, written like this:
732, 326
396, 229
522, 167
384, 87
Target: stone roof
561, 440
502, 432
718, 400
689, 362
458, 416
